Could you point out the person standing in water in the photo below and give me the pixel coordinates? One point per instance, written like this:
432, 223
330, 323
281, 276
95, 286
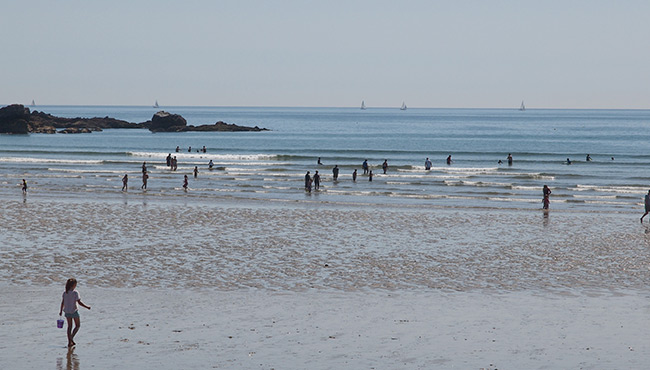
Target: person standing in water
427, 164
144, 167
70, 303
319, 162
568, 161
169, 160
647, 205
125, 182
370, 176
449, 161
588, 158
364, 165
145, 177
354, 175
316, 181
509, 159
210, 165
546, 201
24, 187
307, 181
384, 166
185, 183
196, 171
335, 172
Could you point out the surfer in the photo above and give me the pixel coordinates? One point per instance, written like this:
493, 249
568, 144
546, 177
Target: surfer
647, 205
588, 158
125, 181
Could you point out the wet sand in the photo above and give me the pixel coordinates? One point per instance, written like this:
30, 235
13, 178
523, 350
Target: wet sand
321, 286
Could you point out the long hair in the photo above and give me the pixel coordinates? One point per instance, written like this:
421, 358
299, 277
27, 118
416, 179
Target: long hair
69, 285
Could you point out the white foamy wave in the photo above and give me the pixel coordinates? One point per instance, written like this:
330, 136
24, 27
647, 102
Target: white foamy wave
205, 156
47, 160
611, 189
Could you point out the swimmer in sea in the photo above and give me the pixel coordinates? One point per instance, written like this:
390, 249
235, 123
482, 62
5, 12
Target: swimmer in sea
568, 161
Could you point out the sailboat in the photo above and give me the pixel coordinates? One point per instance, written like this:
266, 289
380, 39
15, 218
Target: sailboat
403, 107
363, 105
33, 103
523, 107
155, 105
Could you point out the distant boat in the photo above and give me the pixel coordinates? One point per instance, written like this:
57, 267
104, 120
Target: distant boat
403, 107
155, 105
363, 105
33, 103
523, 107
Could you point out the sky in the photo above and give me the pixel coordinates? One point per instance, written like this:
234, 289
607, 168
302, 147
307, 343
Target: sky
438, 54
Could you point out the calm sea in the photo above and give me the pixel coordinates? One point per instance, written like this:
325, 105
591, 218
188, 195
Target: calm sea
272, 165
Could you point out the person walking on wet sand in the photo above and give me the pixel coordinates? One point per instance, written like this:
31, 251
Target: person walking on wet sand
647, 205
316, 181
354, 175
384, 166
145, 177
70, 305
185, 183
196, 171
125, 182
24, 187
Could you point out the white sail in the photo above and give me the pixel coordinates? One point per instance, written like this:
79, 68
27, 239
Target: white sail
523, 107
363, 104
155, 105
403, 107
33, 103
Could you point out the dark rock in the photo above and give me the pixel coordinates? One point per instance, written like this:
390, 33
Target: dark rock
167, 122
222, 126
14, 119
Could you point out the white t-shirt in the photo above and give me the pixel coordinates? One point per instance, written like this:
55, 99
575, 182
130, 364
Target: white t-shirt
70, 301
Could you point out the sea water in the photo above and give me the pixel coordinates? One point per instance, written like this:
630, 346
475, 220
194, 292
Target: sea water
271, 165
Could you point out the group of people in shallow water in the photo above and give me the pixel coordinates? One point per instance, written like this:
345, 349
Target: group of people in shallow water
546, 191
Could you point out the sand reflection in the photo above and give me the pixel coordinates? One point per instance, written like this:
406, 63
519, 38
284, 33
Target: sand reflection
71, 361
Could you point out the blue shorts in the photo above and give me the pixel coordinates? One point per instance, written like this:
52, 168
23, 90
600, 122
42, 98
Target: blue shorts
74, 315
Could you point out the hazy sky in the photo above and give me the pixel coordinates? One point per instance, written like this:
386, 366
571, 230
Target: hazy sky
564, 54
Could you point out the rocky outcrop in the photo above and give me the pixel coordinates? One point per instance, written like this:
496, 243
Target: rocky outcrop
166, 122
14, 119
17, 119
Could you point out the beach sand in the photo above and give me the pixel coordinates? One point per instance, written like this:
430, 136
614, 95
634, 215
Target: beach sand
287, 286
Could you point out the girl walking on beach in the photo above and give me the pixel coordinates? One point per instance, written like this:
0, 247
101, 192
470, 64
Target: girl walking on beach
185, 183
24, 187
69, 305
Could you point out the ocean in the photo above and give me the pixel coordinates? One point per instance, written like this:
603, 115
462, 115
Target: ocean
271, 165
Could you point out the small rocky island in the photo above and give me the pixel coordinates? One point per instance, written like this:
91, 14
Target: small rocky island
18, 119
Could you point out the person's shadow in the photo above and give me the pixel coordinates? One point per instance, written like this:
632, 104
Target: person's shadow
72, 361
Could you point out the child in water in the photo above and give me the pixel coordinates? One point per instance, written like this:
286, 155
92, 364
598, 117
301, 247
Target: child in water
69, 305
